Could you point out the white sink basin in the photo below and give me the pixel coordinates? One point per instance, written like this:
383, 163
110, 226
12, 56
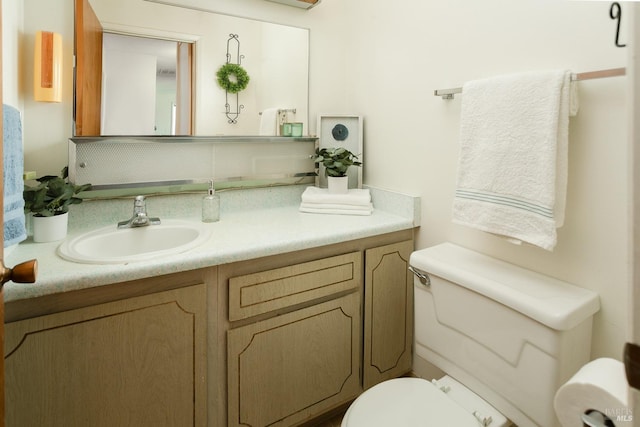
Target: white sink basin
110, 245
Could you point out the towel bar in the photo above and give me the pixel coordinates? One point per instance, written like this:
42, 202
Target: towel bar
588, 75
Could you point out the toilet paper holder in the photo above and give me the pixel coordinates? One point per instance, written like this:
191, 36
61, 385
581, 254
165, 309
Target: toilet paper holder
595, 418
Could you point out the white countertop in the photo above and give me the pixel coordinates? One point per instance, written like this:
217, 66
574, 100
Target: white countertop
254, 223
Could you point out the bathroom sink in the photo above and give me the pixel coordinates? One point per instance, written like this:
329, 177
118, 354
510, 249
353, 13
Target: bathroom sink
110, 245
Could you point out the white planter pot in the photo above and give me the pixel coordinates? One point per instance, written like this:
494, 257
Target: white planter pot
49, 228
338, 184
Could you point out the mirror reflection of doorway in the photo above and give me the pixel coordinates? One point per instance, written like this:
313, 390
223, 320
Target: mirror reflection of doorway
146, 86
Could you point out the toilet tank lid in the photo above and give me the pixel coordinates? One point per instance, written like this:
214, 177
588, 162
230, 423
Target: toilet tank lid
552, 302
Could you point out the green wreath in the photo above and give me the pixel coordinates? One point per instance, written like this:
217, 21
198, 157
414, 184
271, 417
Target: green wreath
242, 78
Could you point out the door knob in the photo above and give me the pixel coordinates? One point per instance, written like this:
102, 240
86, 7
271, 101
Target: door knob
24, 272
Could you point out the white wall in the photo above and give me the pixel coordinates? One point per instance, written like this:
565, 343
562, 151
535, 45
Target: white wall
12, 12
383, 60
399, 55
46, 126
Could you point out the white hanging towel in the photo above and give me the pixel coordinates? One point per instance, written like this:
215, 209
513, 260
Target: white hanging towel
269, 122
512, 171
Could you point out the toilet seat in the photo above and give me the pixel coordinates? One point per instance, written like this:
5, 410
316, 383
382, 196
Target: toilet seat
410, 402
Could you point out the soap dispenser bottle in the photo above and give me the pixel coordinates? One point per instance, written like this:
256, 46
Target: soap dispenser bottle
211, 205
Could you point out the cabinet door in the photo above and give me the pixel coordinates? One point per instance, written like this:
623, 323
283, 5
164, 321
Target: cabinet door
388, 307
134, 362
289, 368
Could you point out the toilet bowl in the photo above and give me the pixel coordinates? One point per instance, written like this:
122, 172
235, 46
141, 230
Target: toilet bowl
510, 335
418, 402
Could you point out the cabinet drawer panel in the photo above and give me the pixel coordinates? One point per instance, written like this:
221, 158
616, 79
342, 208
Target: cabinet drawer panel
270, 290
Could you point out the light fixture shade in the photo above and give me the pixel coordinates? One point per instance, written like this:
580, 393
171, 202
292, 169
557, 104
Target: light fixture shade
47, 67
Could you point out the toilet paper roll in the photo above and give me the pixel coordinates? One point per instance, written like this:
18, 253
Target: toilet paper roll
599, 385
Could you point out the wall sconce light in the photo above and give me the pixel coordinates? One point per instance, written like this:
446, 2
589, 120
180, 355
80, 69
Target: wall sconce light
47, 67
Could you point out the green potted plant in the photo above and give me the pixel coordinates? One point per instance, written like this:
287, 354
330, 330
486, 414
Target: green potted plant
336, 162
49, 202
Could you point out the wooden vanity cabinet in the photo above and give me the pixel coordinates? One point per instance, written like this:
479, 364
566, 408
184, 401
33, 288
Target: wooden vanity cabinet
272, 341
138, 361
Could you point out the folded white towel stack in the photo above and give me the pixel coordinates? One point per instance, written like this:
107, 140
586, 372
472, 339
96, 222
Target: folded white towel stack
319, 200
512, 172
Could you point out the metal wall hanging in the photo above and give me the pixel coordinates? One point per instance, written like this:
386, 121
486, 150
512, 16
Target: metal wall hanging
233, 86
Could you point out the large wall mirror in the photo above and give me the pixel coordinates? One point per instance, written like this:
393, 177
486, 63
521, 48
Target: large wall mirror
146, 68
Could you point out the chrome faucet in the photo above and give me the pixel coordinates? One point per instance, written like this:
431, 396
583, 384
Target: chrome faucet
139, 218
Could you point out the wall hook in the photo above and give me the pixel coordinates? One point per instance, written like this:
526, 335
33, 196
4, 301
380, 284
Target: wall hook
616, 13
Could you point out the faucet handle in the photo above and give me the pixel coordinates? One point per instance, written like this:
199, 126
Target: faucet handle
139, 217
139, 207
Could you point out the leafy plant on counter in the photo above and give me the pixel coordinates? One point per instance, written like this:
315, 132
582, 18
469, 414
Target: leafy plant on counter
336, 161
53, 195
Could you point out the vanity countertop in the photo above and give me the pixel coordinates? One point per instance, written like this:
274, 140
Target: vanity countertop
254, 223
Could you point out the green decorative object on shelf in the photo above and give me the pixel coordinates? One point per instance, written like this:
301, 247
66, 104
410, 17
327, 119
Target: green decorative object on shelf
241, 78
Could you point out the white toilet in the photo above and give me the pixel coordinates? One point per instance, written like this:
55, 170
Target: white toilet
511, 335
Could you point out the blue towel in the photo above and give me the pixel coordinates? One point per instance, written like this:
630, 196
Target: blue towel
14, 220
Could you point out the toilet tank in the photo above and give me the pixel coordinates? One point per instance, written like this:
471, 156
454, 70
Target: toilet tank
511, 335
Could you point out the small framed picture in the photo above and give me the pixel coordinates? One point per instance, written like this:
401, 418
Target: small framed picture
341, 131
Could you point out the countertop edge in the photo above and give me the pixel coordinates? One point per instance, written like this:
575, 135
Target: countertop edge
240, 235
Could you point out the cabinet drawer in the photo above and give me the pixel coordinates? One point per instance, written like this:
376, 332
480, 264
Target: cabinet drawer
262, 292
